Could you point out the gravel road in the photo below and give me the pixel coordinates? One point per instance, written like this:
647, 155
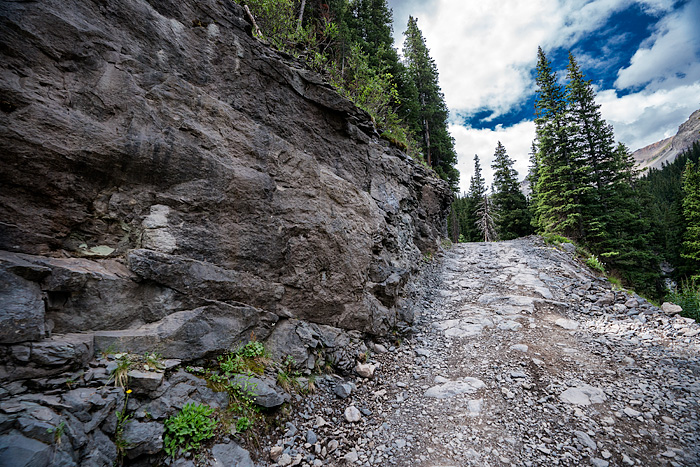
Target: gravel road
519, 356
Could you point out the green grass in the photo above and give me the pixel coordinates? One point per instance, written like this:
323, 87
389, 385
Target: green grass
688, 297
555, 239
594, 263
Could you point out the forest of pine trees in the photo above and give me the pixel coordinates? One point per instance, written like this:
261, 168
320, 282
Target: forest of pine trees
584, 186
351, 43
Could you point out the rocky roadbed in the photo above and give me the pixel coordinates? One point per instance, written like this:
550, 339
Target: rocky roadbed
519, 356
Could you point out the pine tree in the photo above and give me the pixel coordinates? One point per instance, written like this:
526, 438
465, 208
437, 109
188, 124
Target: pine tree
512, 218
558, 204
691, 213
594, 146
477, 190
430, 122
626, 245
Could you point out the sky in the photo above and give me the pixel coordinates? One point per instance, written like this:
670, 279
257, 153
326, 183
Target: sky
642, 56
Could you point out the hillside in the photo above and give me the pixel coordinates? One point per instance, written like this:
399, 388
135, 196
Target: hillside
666, 150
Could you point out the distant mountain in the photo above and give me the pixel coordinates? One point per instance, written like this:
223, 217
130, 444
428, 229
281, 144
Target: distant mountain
666, 151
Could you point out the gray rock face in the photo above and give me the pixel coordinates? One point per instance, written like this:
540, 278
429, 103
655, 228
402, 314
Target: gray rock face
226, 455
187, 167
191, 334
263, 391
21, 309
19, 451
143, 438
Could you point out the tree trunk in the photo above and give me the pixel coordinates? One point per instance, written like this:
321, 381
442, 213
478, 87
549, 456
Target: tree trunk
301, 14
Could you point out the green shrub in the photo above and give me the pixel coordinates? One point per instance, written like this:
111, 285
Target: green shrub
250, 358
688, 297
594, 263
186, 430
554, 239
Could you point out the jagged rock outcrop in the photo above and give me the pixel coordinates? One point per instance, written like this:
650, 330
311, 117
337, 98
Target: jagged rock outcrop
158, 162
665, 151
171, 184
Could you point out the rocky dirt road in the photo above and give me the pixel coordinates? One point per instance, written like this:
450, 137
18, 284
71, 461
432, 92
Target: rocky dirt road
519, 356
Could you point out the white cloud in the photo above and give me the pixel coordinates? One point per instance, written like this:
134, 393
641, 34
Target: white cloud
469, 141
671, 56
485, 51
648, 116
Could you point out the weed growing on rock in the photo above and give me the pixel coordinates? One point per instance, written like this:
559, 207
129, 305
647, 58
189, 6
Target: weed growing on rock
248, 359
58, 431
153, 361
186, 430
287, 376
122, 418
554, 239
243, 424
120, 373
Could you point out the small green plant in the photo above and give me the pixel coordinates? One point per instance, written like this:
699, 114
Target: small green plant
120, 373
616, 282
153, 361
185, 431
243, 424
252, 349
555, 239
70, 382
688, 298
58, 432
250, 358
122, 418
594, 263
195, 370
285, 380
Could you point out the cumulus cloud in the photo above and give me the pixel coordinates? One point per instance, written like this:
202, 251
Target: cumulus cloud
469, 141
486, 54
671, 56
646, 117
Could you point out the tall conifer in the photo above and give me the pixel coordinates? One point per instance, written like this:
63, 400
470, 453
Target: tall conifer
691, 212
430, 122
467, 206
512, 218
558, 203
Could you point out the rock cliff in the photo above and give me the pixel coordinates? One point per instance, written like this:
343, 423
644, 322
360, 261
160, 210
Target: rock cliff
665, 151
170, 183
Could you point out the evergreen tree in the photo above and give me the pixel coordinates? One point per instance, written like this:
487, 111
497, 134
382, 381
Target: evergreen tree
558, 204
477, 190
512, 217
430, 122
691, 213
626, 245
593, 142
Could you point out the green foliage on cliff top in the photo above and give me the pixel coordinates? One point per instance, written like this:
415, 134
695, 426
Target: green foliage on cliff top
351, 43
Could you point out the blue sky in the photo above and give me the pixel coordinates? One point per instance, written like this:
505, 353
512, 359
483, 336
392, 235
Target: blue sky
643, 57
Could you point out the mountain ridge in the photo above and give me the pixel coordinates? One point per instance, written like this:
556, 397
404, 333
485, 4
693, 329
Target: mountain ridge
666, 150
